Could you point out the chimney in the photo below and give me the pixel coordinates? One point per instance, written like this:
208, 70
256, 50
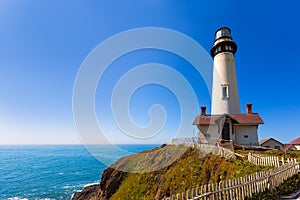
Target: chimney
203, 110
249, 108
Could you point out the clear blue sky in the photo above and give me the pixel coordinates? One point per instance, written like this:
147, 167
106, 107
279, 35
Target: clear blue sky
43, 43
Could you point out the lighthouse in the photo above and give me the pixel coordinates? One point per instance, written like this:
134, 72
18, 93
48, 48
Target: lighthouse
226, 124
225, 97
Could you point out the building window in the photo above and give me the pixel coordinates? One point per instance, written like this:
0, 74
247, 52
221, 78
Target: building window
245, 136
225, 92
277, 147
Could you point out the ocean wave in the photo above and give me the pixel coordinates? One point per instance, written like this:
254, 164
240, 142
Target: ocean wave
90, 184
69, 186
87, 185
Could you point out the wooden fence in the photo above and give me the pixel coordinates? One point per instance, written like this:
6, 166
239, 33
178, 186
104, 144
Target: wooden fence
274, 161
243, 187
206, 148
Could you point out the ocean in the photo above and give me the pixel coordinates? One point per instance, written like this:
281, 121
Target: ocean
34, 172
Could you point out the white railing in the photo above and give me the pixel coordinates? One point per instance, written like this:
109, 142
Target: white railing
206, 148
268, 160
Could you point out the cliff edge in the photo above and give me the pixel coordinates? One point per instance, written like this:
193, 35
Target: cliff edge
161, 172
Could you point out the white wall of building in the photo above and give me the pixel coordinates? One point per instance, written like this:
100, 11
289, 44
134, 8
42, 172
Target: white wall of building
246, 134
297, 147
242, 134
209, 131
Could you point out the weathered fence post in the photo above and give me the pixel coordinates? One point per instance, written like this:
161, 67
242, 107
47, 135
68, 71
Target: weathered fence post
197, 191
187, 194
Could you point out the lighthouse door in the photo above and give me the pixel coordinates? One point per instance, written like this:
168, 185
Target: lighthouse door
225, 132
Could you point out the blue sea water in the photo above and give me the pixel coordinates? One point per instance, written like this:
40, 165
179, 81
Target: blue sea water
52, 171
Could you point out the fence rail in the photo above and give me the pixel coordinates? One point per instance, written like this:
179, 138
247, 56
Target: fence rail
240, 188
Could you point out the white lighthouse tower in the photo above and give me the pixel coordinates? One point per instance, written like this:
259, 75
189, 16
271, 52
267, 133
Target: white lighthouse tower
225, 97
226, 125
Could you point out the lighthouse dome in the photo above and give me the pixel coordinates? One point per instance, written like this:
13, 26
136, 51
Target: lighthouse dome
223, 32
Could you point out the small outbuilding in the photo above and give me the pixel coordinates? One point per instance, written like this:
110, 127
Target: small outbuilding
271, 143
295, 143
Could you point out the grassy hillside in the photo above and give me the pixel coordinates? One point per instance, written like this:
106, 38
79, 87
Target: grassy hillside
190, 171
171, 170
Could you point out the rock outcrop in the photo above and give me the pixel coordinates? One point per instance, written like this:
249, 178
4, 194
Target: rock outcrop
91, 192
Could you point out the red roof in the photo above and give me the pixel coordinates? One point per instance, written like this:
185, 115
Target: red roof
245, 119
296, 141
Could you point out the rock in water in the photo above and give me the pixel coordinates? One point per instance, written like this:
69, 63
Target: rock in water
91, 192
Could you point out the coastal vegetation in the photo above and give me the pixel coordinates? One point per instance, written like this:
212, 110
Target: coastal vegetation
188, 172
191, 168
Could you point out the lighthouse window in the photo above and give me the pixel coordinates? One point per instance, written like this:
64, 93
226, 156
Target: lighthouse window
225, 91
230, 48
226, 47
